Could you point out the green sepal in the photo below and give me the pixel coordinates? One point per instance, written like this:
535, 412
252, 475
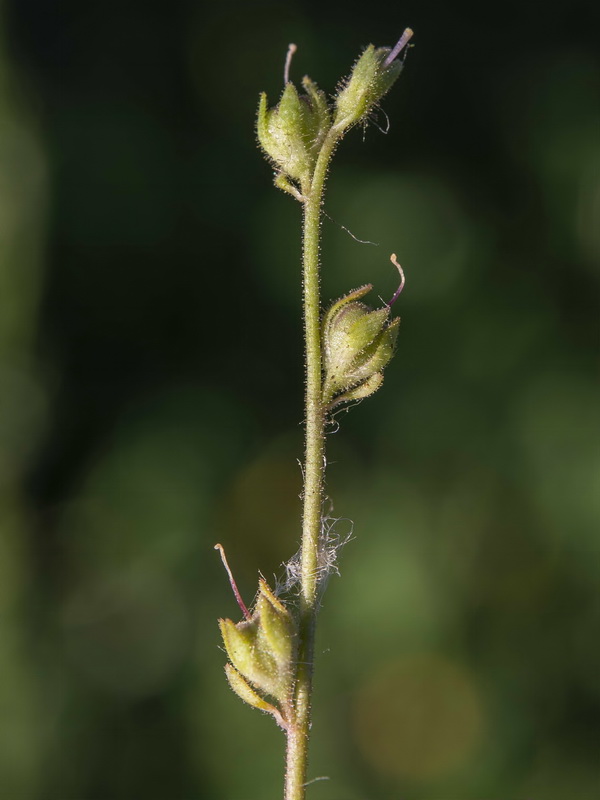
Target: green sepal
338, 304
320, 113
246, 693
354, 328
283, 182
378, 354
243, 690
369, 81
365, 389
249, 656
283, 134
276, 627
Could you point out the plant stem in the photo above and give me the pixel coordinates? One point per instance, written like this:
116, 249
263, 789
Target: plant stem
314, 469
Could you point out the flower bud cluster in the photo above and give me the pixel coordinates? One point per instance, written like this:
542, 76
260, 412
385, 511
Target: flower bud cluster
262, 651
293, 132
357, 344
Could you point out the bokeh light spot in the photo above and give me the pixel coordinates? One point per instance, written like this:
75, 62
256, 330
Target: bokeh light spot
418, 717
417, 216
126, 634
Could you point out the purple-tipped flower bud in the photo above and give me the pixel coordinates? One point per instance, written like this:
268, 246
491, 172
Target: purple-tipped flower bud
371, 78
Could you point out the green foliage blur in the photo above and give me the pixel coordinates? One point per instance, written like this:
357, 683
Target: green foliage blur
151, 401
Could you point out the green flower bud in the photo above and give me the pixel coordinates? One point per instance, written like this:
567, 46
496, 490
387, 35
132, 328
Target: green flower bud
262, 649
357, 344
371, 78
291, 134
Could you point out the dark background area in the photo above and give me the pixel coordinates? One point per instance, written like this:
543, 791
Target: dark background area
151, 401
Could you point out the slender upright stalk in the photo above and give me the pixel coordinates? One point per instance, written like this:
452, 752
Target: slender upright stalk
271, 651
297, 747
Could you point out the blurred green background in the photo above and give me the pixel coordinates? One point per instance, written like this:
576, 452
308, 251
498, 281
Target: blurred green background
150, 401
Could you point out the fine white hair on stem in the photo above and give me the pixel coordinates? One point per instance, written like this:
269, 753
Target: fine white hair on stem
316, 780
349, 232
343, 409
373, 120
333, 424
332, 539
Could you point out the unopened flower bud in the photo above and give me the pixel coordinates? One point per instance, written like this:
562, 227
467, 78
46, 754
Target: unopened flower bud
261, 649
357, 344
292, 132
371, 78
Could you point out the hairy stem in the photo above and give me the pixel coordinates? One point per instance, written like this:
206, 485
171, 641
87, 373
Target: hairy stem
314, 469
